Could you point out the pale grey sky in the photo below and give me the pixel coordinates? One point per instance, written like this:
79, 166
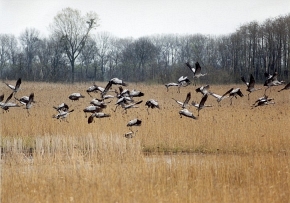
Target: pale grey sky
136, 18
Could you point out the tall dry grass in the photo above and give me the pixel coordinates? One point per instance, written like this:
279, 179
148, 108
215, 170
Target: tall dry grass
230, 154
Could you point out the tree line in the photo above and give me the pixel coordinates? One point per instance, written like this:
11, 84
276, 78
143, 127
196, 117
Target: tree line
72, 53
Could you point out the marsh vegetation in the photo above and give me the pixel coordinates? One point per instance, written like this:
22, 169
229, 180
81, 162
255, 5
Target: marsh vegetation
232, 153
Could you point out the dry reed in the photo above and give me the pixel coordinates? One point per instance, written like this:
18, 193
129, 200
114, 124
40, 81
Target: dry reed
232, 153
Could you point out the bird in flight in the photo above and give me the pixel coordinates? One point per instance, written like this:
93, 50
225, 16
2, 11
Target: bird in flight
196, 71
16, 87
250, 85
186, 113
285, 88
232, 93
113, 81
185, 103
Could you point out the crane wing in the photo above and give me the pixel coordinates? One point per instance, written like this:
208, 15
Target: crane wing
190, 67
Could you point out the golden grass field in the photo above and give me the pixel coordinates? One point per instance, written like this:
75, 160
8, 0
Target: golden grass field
232, 153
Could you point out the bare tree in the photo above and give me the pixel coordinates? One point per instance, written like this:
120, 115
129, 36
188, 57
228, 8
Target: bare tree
114, 56
72, 29
53, 65
145, 52
29, 40
103, 41
4, 52
88, 57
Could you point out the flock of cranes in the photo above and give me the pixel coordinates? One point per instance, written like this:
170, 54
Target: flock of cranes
271, 80
25, 100
126, 98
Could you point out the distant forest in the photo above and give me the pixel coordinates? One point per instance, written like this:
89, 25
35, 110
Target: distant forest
74, 54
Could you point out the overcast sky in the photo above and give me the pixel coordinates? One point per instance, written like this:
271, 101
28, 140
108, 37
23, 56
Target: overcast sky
136, 18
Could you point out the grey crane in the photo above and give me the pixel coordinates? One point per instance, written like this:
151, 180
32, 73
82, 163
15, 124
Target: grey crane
99, 103
196, 71
184, 81
122, 92
218, 97
113, 81
233, 92
131, 105
196, 105
24, 100
123, 101
136, 93
151, 103
92, 88
262, 101
16, 87
134, 122
97, 115
92, 109
186, 113
203, 89
6, 105
29, 103
287, 87
272, 80
185, 103
61, 107
62, 115
202, 104
263, 98
172, 84
95, 88
75, 96
250, 85
130, 134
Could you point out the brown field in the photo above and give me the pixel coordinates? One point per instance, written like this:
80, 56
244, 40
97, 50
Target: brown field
232, 153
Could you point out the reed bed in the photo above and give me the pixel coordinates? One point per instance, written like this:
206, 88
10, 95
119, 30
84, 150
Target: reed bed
232, 153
